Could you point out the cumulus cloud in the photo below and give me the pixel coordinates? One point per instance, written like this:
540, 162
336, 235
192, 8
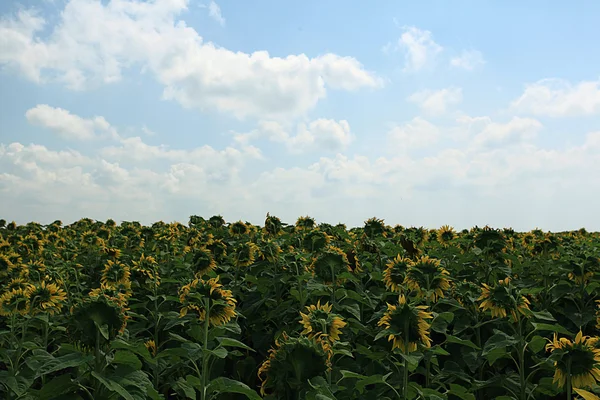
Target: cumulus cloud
416, 133
436, 102
319, 135
70, 126
559, 98
420, 48
96, 43
468, 59
214, 11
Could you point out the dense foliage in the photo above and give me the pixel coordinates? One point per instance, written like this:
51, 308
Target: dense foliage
97, 310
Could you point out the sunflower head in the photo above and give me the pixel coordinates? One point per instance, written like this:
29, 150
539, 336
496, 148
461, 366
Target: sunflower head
18, 283
503, 299
195, 296
245, 254
290, 365
151, 346
218, 249
147, 266
239, 228
14, 302
353, 261
46, 298
445, 235
216, 221
328, 264
580, 358
315, 240
203, 262
404, 321
273, 225
270, 251
115, 272
320, 322
94, 313
490, 241
395, 273
375, 227
305, 223
427, 277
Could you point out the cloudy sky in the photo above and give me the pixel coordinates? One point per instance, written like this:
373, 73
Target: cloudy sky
418, 112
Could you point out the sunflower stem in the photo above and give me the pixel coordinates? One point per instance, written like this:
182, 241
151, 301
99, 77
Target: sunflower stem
568, 385
407, 352
205, 350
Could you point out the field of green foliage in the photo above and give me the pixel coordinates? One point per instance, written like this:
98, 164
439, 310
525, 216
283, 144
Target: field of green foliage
215, 310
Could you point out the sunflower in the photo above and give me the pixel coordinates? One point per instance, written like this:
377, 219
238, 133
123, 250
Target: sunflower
218, 249
315, 240
290, 365
503, 299
112, 252
404, 322
245, 254
115, 292
320, 322
216, 221
305, 223
46, 297
18, 283
151, 346
239, 228
195, 296
115, 272
445, 234
353, 261
395, 272
329, 264
580, 358
97, 311
270, 251
147, 265
375, 227
203, 262
273, 225
427, 278
14, 302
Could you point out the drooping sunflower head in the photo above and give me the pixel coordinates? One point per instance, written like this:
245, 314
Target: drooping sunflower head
218, 250
14, 302
273, 225
151, 346
216, 221
315, 240
290, 365
305, 223
203, 262
427, 277
239, 228
270, 251
503, 299
18, 283
395, 273
546, 243
491, 241
328, 264
195, 296
353, 260
245, 254
580, 357
445, 235
147, 266
46, 298
112, 253
118, 293
320, 322
93, 313
375, 227
404, 320
115, 272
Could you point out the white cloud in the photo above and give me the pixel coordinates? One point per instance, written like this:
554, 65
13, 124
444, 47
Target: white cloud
416, 133
70, 126
214, 11
516, 131
420, 48
436, 102
318, 135
559, 98
95, 42
468, 59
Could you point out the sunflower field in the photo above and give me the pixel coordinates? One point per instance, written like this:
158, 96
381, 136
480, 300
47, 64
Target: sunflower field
214, 310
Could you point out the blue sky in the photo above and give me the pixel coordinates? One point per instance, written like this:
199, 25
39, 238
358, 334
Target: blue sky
421, 113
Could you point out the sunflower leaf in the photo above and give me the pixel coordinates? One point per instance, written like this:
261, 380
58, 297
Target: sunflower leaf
229, 342
550, 327
226, 385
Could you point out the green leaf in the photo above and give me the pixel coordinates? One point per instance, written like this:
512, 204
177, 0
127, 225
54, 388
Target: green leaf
226, 385
499, 340
550, 327
537, 343
137, 348
461, 392
56, 387
464, 342
228, 342
44, 363
220, 352
113, 386
127, 358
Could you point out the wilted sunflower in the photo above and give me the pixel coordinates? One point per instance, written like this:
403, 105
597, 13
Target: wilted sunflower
239, 228
115, 272
46, 298
445, 234
203, 262
305, 223
245, 254
14, 302
195, 295
320, 322
581, 358
395, 272
503, 299
329, 264
428, 278
406, 321
290, 365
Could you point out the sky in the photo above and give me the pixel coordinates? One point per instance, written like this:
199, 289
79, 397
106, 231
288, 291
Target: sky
422, 113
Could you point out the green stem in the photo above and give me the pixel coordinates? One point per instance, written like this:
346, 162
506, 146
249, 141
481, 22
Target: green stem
205, 371
406, 346
568, 386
